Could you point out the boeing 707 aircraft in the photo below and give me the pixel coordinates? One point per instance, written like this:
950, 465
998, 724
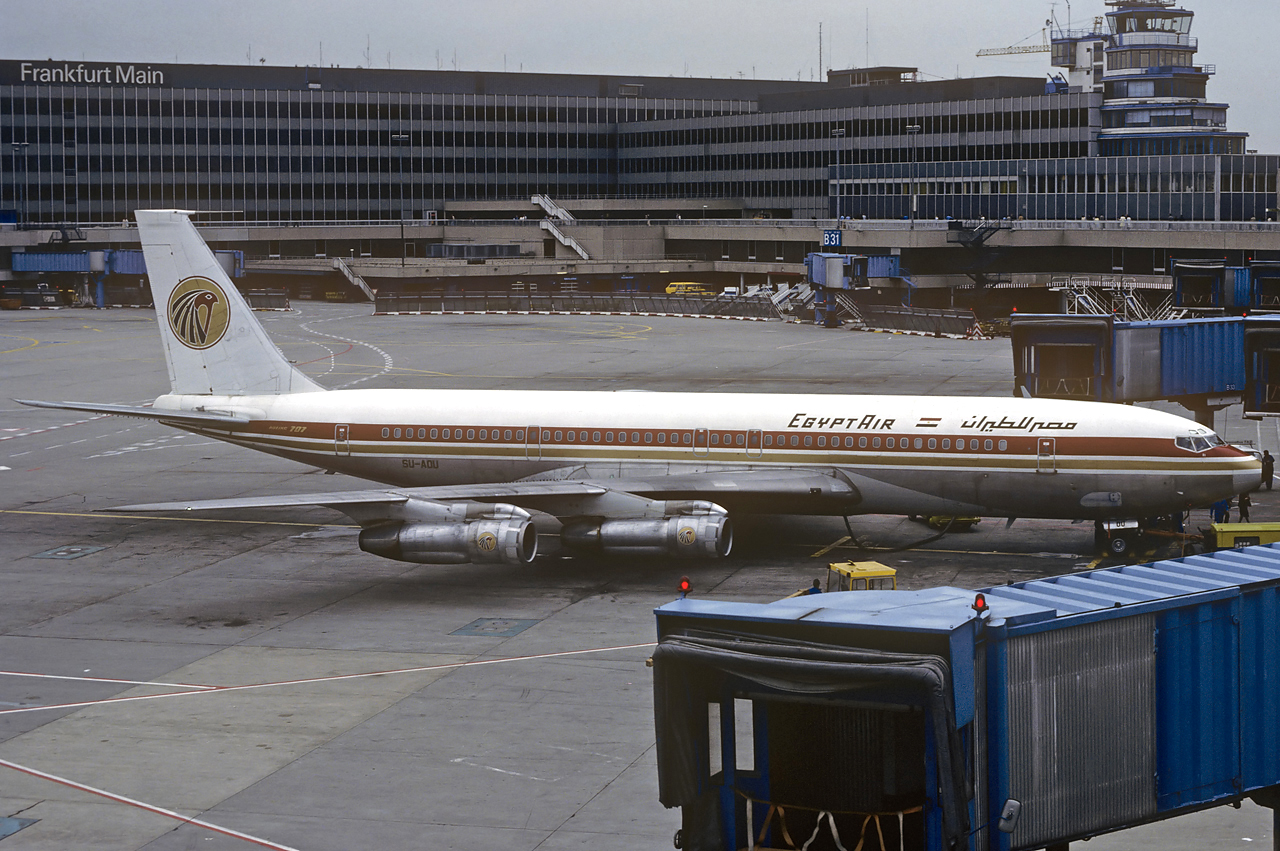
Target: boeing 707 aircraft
641, 473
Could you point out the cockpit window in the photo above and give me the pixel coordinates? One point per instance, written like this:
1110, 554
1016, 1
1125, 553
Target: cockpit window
1198, 444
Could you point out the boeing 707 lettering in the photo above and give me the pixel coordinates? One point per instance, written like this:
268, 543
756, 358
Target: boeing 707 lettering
461, 473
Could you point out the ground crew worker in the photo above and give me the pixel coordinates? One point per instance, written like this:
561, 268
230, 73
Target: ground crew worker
1268, 467
816, 589
1245, 502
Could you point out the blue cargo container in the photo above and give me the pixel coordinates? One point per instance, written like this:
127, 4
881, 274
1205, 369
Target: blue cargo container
1095, 701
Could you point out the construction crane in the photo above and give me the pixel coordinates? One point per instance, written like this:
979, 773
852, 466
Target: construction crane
1043, 47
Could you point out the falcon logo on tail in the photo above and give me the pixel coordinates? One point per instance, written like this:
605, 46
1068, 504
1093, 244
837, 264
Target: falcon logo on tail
198, 313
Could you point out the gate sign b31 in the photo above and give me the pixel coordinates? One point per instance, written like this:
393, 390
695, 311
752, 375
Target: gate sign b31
830, 238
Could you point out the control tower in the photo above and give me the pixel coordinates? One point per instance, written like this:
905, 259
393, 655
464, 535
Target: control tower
1154, 99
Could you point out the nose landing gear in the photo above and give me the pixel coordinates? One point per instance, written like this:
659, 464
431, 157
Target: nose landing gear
1116, 538
1121, 538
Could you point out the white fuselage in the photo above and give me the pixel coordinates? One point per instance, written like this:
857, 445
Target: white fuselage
940, 455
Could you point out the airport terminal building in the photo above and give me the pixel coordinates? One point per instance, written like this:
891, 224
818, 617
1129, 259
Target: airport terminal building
1129, 135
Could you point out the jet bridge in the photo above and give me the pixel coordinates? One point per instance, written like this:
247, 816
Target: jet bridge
832, 275
1013, 718
1198, 363
1213, 286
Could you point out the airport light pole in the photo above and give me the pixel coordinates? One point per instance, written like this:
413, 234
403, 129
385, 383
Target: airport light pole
20, 148
912, 130
836, 133
398, 140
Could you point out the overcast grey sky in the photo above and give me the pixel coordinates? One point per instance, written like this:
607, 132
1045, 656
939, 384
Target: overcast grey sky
704, 38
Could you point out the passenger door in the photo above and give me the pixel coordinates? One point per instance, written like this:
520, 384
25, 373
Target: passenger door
701, 442
1046, 455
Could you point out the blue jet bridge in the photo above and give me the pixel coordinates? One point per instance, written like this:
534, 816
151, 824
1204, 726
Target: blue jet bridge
1213, 286
1199, 362
1018, 717
98, 265
830, 275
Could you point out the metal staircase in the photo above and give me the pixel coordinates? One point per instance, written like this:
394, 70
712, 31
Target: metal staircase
564, 238
553, 209
356, 280
1081, 302
1121, 298
849, 308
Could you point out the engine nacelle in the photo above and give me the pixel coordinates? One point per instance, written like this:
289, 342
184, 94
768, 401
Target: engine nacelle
511, 540
686, 536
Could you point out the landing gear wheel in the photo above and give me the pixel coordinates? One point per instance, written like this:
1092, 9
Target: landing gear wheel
1120, 545
678, 839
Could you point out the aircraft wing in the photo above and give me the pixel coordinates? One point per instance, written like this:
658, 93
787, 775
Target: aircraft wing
194, 417
377, 496
785, 490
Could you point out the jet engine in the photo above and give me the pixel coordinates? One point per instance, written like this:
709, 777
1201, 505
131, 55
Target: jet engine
501, 540
707, 535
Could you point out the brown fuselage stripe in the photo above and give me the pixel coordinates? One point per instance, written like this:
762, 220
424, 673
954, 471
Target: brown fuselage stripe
367, 438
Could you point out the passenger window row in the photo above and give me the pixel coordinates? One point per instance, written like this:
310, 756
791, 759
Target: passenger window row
738, 439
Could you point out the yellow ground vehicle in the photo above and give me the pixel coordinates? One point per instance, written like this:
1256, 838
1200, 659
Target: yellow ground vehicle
1226, 536
861, 576
687, 288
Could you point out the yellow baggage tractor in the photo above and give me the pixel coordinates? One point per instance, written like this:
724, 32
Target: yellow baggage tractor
1227, 536
861, 576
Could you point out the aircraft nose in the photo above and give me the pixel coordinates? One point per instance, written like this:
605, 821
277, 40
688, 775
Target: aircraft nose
1250, 479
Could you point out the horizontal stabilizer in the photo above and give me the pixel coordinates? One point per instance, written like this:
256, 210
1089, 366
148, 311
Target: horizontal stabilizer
202, 417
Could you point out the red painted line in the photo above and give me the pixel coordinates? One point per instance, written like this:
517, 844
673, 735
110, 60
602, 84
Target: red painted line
151, 808
337, 678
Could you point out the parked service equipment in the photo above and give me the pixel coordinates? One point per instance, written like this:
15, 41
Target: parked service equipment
1226, 536
861, 576
1008, 719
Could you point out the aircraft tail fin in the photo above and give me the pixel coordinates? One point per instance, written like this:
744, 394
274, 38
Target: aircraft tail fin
212, 342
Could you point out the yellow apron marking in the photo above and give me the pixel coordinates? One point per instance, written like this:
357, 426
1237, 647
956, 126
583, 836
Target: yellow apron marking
829, 547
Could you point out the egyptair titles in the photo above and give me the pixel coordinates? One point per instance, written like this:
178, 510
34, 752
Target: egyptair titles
1027, 424
873, 422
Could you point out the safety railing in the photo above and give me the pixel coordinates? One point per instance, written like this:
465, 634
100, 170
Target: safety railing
920, 320
752, 306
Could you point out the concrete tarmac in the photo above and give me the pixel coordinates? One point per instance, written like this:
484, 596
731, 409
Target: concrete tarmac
252, 679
